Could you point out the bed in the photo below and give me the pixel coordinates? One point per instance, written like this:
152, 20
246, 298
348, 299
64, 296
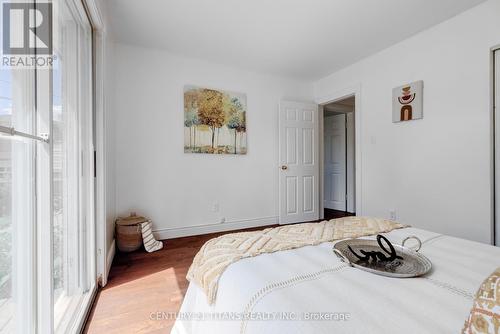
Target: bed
309, 290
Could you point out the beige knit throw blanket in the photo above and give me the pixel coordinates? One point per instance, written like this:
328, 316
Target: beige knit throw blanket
218, 253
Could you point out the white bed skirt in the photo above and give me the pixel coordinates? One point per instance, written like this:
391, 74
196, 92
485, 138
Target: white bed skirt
308, 290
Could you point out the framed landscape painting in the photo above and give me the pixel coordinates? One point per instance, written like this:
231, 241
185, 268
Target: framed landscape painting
214, 121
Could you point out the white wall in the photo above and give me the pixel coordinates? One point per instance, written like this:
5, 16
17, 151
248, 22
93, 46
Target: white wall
154, 176
435, 172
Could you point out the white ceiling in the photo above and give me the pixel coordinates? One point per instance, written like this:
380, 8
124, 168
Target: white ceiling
306, 39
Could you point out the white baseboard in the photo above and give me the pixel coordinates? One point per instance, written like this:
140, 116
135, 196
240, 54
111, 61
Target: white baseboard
169, 233
109, 261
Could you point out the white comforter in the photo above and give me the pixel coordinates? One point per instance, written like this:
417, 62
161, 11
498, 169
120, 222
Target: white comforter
308, 290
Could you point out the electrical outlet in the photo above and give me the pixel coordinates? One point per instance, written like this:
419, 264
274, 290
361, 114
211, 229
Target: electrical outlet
393, 215
223, 220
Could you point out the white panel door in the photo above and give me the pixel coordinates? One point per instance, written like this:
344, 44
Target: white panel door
299, 169
497, 147
335, 162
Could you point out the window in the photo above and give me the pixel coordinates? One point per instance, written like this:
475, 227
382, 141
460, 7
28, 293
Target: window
46, 189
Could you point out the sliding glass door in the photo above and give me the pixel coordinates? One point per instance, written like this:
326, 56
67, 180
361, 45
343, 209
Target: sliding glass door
47, 247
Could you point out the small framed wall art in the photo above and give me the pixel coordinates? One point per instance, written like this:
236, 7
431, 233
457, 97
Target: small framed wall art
407, 102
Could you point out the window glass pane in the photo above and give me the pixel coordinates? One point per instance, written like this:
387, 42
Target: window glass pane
16, 204
70, 77
16, 221
7, 305
5, 97
16, 90
60, 187
64, 168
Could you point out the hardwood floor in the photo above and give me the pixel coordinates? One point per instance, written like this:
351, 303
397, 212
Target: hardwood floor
142, 283
332, 214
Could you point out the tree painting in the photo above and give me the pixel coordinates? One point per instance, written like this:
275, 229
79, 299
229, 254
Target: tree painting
236, 120
210, 110
191, 119
214, 121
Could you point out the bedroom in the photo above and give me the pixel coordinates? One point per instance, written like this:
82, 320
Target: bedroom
208, 118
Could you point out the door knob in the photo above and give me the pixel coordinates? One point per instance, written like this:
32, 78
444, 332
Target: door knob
284, 167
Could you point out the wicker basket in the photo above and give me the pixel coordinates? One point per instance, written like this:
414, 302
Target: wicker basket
128, 233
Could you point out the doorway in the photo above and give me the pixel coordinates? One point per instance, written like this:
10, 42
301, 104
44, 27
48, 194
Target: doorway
338, 135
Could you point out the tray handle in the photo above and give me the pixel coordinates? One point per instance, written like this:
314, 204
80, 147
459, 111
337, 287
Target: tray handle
413, 237
341, 256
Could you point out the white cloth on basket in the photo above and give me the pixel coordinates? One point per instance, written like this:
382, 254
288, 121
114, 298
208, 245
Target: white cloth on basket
148, 239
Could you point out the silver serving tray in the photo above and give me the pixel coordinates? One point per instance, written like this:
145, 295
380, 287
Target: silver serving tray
413, 263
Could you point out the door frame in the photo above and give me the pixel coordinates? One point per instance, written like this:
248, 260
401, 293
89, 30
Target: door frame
331, 98
495, 165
